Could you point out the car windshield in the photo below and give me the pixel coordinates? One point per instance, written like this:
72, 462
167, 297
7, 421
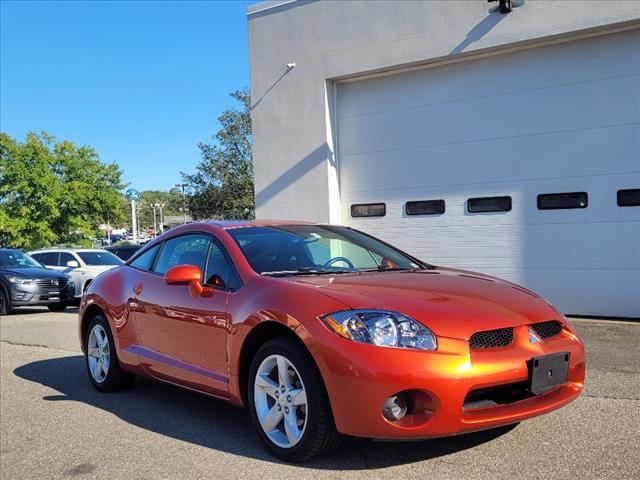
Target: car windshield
17, 259
317, 249
99, 257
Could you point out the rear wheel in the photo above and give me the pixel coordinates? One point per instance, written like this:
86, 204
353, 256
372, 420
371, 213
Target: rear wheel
288, 402
101, 359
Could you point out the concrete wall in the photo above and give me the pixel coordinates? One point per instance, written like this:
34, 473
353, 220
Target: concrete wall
292, 108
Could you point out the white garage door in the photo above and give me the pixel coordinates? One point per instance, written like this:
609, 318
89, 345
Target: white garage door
554, 119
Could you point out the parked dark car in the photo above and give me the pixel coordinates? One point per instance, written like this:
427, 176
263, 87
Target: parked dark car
24, 282
124, 252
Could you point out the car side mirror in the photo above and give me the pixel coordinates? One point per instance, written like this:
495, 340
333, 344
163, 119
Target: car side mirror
188, 275
73, 264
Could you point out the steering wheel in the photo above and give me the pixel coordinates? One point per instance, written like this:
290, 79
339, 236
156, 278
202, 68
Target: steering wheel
333, 260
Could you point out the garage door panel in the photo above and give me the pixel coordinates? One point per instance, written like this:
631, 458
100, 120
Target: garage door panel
594, 152
588, 292
563, 118
574, 108
538, 69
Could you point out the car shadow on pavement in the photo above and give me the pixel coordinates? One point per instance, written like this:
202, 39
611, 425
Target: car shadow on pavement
200, 420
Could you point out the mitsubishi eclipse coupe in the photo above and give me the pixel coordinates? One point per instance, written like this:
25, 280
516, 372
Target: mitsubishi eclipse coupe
323, 331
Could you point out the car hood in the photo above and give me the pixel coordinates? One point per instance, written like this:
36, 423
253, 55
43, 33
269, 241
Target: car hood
452, 303
33, 272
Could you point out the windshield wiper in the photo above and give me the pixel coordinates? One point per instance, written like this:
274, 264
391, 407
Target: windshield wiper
306, 271
382, 268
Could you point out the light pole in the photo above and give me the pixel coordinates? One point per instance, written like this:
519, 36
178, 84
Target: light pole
139, 208
133, 195
184, 200
160, 206
155, 229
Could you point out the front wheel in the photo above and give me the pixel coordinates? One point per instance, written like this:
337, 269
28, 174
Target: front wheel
101, 359
5, 306
288, 402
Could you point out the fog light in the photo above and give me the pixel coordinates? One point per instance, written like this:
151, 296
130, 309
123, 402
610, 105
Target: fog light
394, 408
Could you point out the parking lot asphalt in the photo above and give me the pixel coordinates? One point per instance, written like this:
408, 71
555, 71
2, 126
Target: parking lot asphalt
53, 424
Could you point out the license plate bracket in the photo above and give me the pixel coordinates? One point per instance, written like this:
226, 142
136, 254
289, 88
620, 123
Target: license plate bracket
548, 371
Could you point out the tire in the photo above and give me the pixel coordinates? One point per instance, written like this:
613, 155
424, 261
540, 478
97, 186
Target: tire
313, 424
114, 378
5, 306
60, 307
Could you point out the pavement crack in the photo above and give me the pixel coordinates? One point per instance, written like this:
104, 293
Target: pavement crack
48, 347
609, 397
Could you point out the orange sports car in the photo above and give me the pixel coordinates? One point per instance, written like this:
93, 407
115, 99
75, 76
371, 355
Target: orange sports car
323, 331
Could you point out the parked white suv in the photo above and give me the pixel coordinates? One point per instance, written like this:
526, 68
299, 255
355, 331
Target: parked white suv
82, 265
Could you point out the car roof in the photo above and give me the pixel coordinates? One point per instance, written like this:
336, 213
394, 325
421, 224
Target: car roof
60, 249
231, 224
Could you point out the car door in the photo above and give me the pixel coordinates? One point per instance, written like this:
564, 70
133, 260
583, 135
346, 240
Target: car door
183, 338
77, 274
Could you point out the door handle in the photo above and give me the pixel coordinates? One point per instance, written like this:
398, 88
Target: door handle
137, 288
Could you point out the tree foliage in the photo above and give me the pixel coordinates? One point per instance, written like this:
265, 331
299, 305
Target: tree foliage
222, 187
54, 192
172, 201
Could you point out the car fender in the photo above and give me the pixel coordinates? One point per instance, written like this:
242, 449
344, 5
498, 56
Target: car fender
116, 306
272, 301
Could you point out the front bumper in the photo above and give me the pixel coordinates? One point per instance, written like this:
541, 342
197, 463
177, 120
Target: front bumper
32, 295
359, 378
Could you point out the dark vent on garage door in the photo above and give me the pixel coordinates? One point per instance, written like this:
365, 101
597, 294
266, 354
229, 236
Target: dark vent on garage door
425, 207
368, 210
489, 204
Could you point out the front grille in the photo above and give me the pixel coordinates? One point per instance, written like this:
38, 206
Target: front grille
47, 285
547, 329
491, 338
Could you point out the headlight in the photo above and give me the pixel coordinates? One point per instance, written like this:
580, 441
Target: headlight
382, 328
20, 280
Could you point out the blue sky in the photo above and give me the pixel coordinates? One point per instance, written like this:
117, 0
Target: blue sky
142, 82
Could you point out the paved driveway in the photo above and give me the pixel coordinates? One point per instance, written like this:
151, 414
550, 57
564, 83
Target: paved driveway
54, 425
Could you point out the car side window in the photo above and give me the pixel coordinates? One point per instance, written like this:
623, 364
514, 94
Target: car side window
144, 261
218, 264
185, 250
49, 259
64, 258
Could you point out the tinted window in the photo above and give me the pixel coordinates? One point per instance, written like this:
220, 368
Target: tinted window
556, 201
100, 257
629, 198
219, 264
185, 250
64, 258
425, 207
369, 210
47, 258
144, 261
489, 204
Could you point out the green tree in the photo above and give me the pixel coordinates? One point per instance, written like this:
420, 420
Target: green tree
222, 186
54, 192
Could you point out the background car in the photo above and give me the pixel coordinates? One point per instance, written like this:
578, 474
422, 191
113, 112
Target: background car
25, 282
82, 265
123, 252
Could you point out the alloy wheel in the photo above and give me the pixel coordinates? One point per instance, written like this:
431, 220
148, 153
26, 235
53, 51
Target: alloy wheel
280, 401
98, 353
